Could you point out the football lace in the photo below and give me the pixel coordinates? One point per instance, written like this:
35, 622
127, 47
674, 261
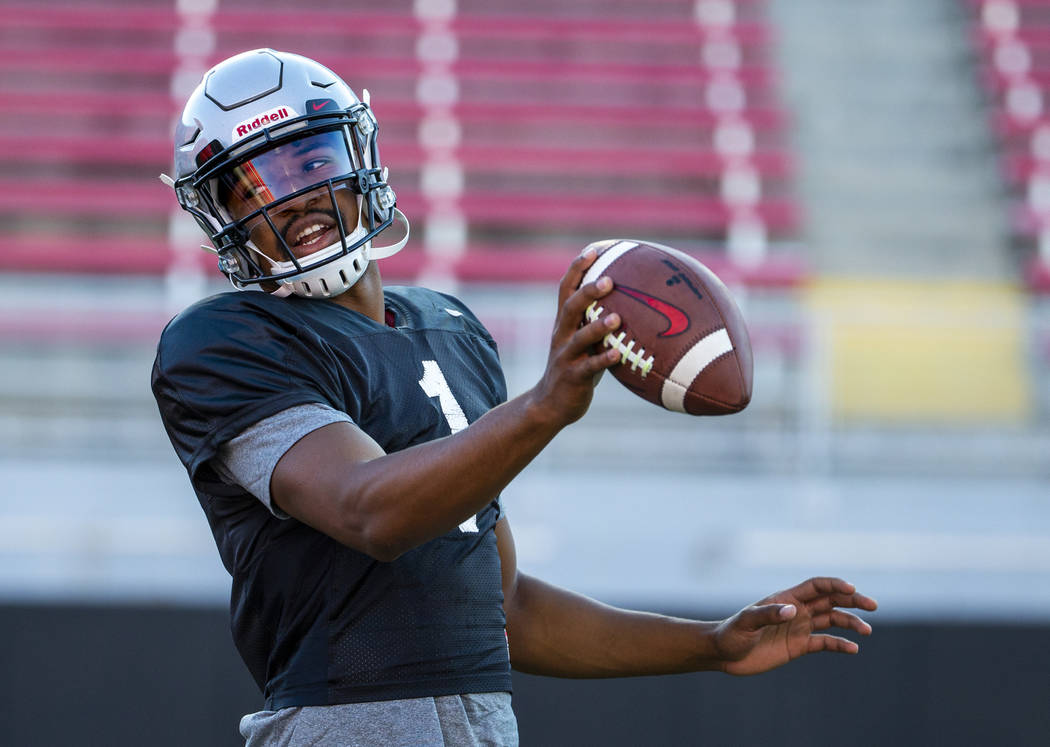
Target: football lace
627, 352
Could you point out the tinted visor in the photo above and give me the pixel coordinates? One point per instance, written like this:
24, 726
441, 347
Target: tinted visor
252, 184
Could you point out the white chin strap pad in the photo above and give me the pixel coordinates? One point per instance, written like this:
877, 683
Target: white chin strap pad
382, 252
338, 276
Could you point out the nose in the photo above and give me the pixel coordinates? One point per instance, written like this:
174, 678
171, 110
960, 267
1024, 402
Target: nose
315, 198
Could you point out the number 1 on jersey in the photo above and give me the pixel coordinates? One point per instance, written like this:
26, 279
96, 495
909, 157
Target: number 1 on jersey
434, 385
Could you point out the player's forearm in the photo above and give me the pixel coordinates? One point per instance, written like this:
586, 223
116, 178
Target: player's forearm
385, 504
411, 496
558, 633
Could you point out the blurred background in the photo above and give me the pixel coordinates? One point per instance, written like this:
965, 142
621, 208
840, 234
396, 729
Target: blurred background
871, 179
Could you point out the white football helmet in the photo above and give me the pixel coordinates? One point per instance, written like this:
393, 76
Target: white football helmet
276, 158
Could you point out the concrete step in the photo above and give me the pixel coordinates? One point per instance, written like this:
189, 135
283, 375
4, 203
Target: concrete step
892, 188
889, 246
814, 14
966, 214
897, 166
898, 52
902, 48
883, 98
885, 231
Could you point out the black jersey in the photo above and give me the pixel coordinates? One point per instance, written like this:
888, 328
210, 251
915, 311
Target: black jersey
316, 622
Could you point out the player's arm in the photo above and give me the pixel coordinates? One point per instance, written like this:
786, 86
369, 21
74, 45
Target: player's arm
339, 481
555, 632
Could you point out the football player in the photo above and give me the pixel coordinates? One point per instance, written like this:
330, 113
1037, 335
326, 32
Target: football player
348, 443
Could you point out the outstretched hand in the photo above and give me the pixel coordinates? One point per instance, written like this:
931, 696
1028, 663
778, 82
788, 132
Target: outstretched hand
788, 624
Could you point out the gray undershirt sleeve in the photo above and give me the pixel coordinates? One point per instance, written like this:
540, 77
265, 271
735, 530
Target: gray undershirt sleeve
249, 458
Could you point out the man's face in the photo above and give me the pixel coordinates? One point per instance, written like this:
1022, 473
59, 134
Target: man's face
309, 222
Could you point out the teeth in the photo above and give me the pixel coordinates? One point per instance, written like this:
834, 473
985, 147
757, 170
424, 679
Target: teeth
307, 232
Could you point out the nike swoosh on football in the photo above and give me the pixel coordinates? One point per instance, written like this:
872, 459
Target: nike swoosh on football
677, 319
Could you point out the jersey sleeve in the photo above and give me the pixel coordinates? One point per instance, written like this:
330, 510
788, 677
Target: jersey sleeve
249, 458
220, 369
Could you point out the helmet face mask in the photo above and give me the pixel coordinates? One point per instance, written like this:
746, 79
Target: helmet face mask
289, 201
286, 200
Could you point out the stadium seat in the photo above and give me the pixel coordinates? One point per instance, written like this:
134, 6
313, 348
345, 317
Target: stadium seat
1012, 41
562, 123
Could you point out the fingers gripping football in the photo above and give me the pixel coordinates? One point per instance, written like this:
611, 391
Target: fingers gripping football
574, 296
575, 357
573, 277
574, 344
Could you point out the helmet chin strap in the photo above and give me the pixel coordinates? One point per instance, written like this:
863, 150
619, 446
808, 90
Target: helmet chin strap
368, 252
382, 252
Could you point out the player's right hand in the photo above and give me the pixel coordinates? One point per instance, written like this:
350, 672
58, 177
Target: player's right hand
566, 388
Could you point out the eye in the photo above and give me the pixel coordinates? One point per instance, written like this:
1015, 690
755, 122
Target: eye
320, 163
321, 158
315, 163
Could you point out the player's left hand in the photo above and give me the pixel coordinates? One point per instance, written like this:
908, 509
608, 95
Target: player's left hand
788, 624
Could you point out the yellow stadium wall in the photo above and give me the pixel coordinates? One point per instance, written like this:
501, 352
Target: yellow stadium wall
944, 351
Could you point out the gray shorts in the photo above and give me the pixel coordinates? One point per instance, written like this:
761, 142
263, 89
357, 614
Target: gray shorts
449, 720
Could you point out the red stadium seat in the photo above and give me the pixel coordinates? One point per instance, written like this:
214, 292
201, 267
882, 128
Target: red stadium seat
1012, 40
576, 121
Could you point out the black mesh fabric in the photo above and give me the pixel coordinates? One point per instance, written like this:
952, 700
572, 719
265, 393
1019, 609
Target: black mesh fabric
316, 622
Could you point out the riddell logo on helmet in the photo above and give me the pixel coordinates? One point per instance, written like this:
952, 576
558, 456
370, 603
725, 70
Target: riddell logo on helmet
265, 119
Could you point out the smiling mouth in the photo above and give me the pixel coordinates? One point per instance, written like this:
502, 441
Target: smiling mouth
307, 234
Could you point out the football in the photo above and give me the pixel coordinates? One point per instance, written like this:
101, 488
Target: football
683, 341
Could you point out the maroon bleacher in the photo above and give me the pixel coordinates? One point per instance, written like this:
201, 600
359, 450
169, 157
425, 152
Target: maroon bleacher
578, 121
1012, 41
